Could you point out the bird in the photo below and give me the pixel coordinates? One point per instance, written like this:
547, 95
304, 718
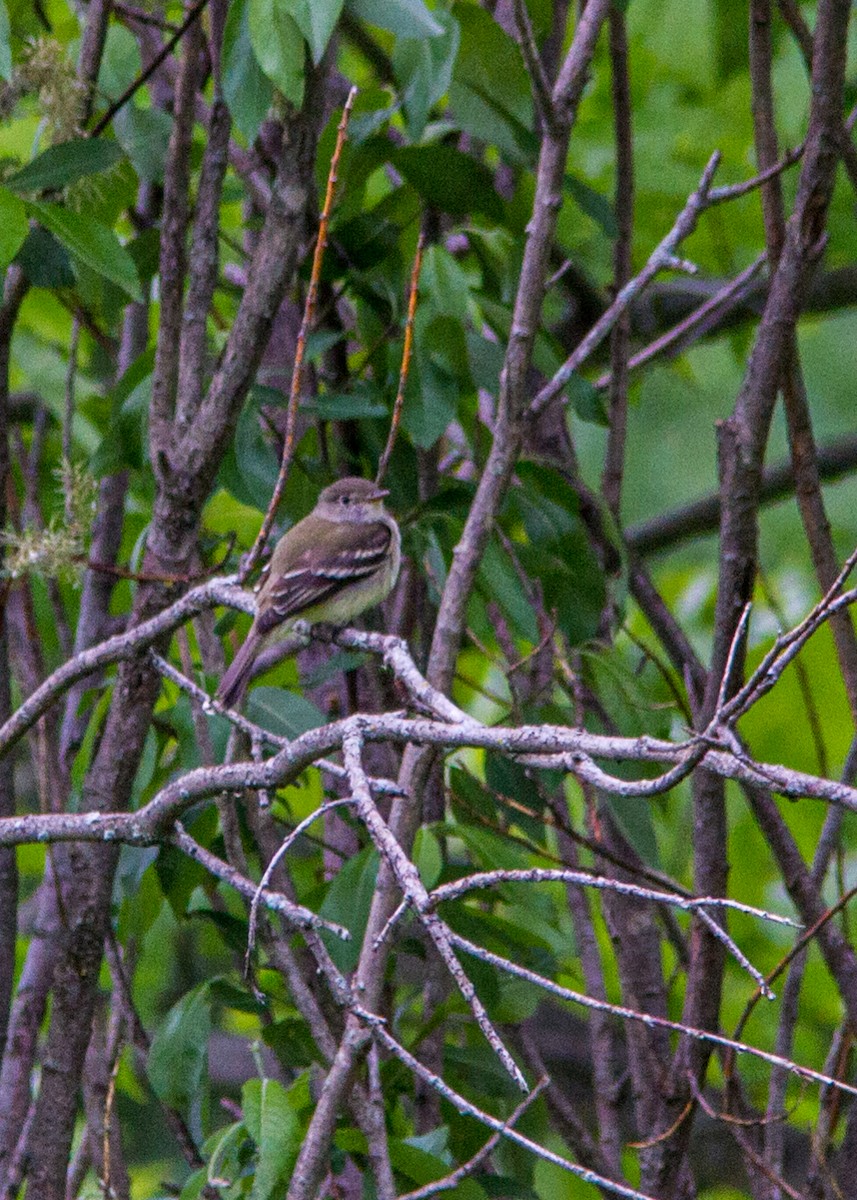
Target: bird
340, 560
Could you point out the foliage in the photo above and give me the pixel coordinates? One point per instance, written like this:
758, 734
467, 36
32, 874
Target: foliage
209, 1076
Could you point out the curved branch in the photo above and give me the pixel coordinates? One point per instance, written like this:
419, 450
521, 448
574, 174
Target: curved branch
116, 649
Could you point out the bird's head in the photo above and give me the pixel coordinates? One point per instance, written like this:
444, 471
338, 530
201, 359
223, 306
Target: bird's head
352, 499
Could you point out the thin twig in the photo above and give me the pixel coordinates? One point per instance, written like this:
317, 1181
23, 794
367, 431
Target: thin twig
408, 879
106, 1123
584, 879
788, 645
296, 915
697, 323
146, 74
734, 648
650, 1019
743, 1141
381, 1033
454, 1178
539, 82
155, 577
406, 361
802, 942
661, 256
258, 547
482, 879
144, 18
732, 191
272, 865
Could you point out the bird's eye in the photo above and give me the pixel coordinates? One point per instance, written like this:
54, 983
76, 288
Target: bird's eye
346, 499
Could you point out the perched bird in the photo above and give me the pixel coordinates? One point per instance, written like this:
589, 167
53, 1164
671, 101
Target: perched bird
334, 564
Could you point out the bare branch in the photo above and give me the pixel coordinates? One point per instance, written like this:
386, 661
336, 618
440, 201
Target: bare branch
650, 1019
293, 914
411, 885
454, 1178
661, 257
116, 649
146, 74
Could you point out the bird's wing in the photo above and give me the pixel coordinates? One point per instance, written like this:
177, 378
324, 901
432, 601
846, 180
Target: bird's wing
353, 553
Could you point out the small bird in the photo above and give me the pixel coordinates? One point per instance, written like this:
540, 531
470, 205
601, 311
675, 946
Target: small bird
334, 564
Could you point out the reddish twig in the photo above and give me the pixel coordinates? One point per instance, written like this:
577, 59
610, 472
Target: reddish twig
802, 942
406, 361
151, 576
300, 349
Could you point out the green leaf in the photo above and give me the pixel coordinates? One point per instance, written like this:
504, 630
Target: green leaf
179, 877
320, 341
486, 361
558, 552
490, 92
418, 1166
405, 18
13, 226
423, 70
124, 444
347, 902
120, 62
249, 469
445, 283
587, 401
431, 401
197, 1183
316, 19
247, 90
273, 1124
176, 1065
5, 48
291, 1041
363, 401
279, 46
595, 205
93, 243
285, 713
144, 134
58, 166
449, 180
498, 581
44, 261
634, 818
427, 856
509, 779
443, 345
226, 1157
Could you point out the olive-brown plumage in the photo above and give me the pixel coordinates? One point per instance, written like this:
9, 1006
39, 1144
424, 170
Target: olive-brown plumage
334, 564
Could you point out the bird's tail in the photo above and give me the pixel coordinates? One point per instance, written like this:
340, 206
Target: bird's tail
234, 682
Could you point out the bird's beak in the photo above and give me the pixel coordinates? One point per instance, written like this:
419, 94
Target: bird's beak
380, 493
